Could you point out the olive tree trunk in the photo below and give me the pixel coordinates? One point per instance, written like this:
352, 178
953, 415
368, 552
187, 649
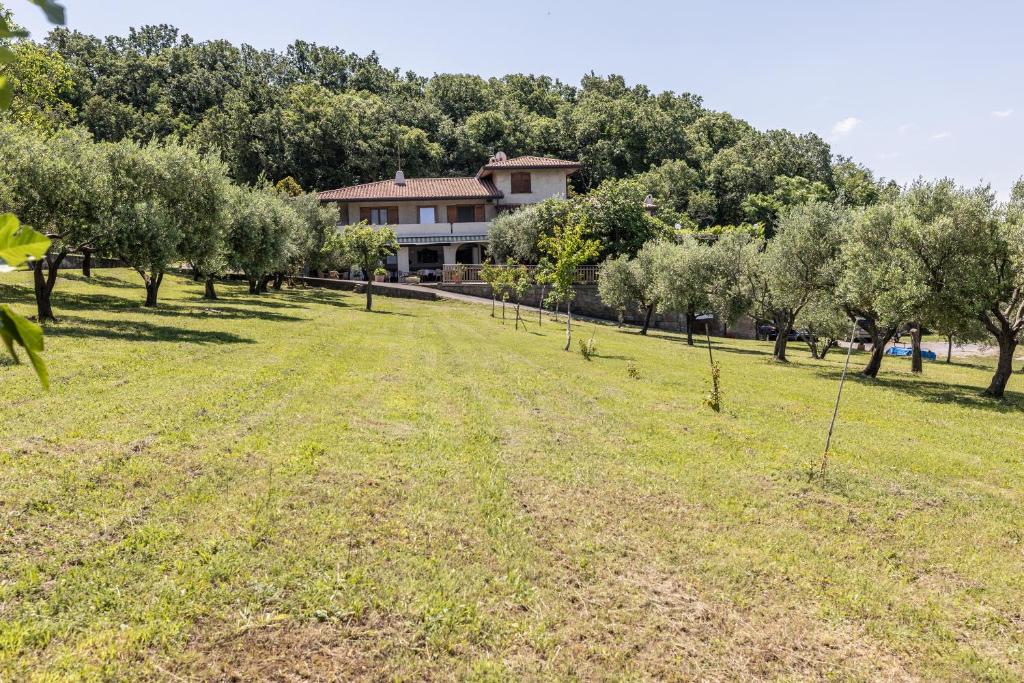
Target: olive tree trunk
369, 293
568, 323
211, 292
86, 262
1004, 367
782, 331
153, 282
916, 363
647, 319
43, 283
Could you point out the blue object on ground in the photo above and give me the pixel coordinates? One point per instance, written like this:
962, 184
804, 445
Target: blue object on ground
906, 351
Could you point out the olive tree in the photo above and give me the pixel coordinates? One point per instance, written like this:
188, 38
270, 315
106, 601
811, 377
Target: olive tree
626, 283
733, 255
139, 228
825, 325
798, 264
1000, 283
261, 227
366, 246
940, 230
684, 273
196, 186
59, 185
880, 284
319, 223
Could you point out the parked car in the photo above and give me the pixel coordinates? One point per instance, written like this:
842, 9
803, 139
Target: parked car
771, 333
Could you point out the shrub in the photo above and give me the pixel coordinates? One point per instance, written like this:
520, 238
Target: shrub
713, 399
588, 348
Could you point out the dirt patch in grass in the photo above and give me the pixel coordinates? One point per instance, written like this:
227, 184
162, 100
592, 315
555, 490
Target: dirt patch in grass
289, 652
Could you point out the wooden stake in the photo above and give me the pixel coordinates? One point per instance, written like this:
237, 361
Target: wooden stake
839, 395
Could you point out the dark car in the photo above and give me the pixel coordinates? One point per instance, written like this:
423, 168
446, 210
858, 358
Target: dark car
771, 333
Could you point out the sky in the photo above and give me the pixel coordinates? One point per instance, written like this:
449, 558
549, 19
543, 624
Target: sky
907, 87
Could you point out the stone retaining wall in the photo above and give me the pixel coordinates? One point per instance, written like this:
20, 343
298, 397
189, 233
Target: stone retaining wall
589, 303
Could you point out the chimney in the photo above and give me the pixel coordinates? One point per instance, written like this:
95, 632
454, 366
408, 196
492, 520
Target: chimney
399, 177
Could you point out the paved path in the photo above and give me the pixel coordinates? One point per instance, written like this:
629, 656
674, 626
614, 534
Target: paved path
940, 348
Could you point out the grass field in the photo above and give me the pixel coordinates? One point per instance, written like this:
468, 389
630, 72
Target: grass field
288, 487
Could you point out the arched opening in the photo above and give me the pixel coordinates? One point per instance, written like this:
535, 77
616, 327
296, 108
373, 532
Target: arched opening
467, 254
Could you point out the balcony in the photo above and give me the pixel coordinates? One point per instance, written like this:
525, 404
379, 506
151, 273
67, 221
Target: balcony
439, 233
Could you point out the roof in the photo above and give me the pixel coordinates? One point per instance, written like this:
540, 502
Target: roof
415, 188
526, 162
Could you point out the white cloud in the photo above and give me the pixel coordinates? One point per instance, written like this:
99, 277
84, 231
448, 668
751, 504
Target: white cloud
942, 136
845, 126
1002, 113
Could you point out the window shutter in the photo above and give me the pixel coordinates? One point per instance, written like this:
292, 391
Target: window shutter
393, 218
364, 213
479, 211
453, 216
521, 183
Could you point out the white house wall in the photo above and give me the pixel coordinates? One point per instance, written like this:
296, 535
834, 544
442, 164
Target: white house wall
543, 184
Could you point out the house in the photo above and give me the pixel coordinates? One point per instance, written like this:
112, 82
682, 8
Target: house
441, 221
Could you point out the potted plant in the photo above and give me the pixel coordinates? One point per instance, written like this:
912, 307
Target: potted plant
457, 272
380, 275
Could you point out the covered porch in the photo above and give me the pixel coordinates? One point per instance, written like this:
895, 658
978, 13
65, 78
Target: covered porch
427, 257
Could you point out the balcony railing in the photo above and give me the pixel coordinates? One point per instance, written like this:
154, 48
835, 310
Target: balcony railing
454, 230
455, 273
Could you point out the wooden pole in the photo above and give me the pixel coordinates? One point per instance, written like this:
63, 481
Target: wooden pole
839, 395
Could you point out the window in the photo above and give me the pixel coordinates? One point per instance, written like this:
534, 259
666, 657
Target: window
465, 214
428, 257
378, 217
427, 214
521, 183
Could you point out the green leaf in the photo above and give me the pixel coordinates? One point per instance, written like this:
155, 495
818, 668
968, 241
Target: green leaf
7, 55
18, 243
6, 93
16, 330
54, 11
7, 30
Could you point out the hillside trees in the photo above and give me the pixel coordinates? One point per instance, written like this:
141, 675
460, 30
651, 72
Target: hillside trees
617, 218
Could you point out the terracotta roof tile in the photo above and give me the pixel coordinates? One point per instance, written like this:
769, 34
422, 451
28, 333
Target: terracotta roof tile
529, 162
415, 188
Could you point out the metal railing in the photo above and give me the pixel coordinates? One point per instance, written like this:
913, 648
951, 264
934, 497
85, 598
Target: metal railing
457, 273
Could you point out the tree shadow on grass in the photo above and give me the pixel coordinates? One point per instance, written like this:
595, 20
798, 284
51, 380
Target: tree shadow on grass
74, 301
134, 330
935, 392
246, 299
380, 312
101, 280
718, 344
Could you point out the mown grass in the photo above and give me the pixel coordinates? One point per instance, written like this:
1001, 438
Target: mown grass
286, 486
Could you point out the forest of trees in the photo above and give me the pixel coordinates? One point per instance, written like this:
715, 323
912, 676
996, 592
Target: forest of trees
329, 118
